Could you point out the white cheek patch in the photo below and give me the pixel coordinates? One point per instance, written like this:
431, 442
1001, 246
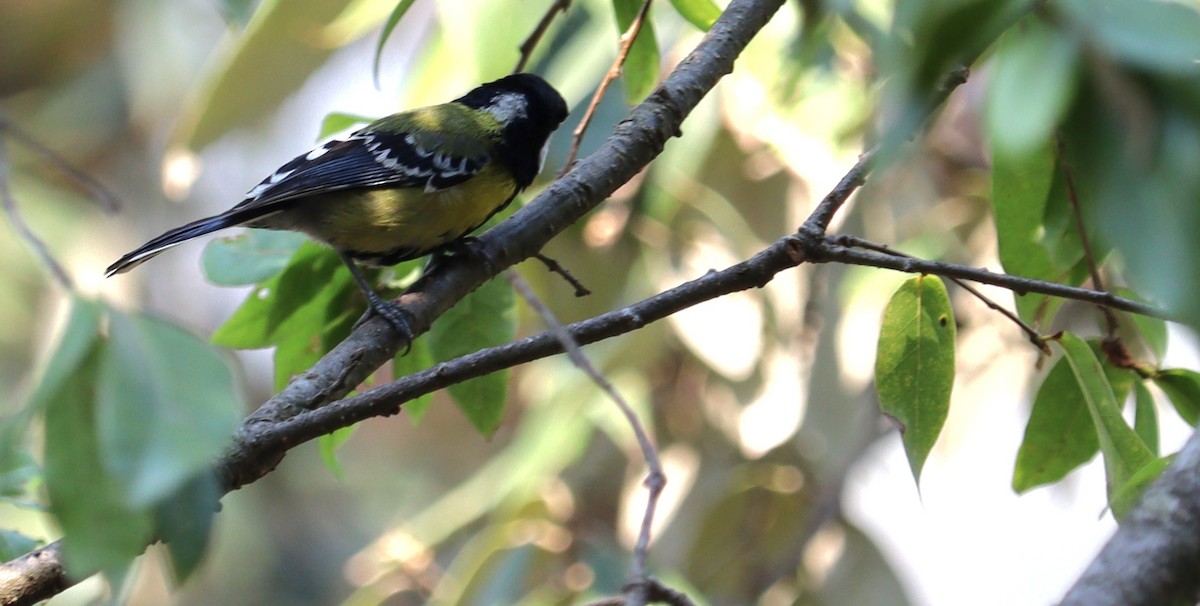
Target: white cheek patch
507, 107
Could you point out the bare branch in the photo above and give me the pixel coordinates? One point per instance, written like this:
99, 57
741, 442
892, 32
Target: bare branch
637, 590
95, 189
10, 208
530, 43
627, 40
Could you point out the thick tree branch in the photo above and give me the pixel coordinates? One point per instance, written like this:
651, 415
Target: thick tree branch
1154, 558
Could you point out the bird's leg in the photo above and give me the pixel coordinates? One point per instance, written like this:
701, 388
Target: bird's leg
390, 310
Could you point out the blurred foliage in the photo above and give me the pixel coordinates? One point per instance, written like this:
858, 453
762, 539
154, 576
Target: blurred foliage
1076, 114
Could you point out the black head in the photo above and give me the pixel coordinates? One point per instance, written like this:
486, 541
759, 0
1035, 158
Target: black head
529, 110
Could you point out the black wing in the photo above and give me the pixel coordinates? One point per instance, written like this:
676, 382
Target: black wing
364, 159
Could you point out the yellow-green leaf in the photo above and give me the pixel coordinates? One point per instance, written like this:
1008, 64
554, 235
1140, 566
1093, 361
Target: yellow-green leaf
1124, 451
1182, 387
914, 366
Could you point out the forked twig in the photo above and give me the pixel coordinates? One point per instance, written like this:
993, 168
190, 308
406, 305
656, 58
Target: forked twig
637, 590
556, 267
1034, 336
10, 208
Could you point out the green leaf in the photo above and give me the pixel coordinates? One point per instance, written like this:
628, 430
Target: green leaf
1154, 34
328, 445
249, 258
1060, 434
1150, 331
166, 406
14, 544
1145, 416
313, 330
640, 72
1124, 452
483, 319
1020, 186
255, 324
914, 366
237, 12
184, 522
700, 13
77, 340
101, 531
402, 7
418, 358
1125, 497
277, 52
336, 122
1182, 387
1031, 85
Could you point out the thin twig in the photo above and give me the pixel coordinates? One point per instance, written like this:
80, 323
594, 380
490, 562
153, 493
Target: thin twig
637, 590
555, 267
23, 229
823, 251
530, 43
1085, 243
818, 221
627, 40
1034, 337
95, 190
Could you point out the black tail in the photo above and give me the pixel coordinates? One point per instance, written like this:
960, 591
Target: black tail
177, 235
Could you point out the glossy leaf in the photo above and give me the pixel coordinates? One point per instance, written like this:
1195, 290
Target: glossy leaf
166, 406
1060, 434
1182, 387
249, 258
393, 19
337, 122
700, 13
914, 366
1124, 452
483, 319
1145, 416
1124, 498
255, 324
640, 72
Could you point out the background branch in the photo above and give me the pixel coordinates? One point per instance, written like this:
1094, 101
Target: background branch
1154, 556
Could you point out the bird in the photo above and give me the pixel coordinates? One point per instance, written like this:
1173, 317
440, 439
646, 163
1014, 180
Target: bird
402, 187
